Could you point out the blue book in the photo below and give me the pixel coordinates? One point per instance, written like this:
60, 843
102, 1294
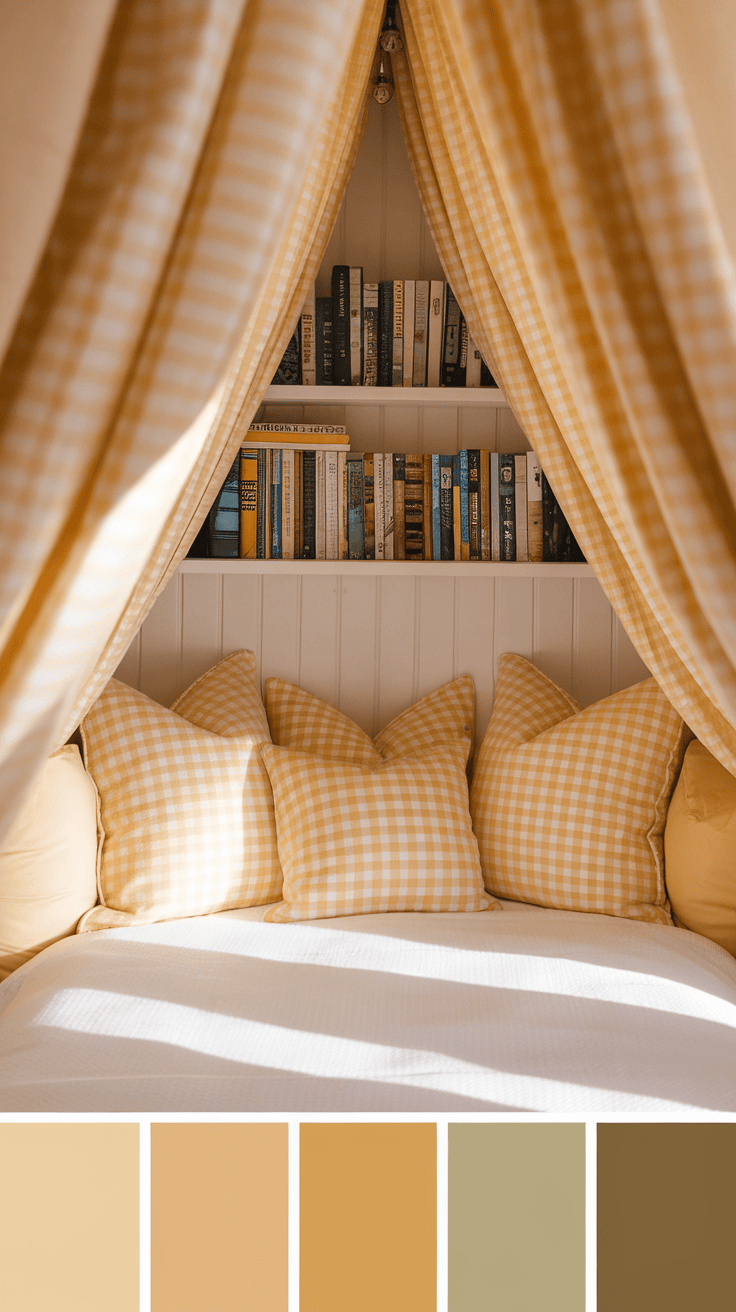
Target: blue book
447, 544
464, 516
356, 506
436, 508
276, 505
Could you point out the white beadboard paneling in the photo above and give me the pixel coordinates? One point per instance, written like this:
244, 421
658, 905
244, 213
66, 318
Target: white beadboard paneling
591, 642
241, 614
553, 616
358, 653
439, 430
510, 434
401, 430
513, 628
477, 428
319, 670
129, 669
280, 627
627, 667
474, 610
365, 426
396, 657
435, 634
160, 635
201, 625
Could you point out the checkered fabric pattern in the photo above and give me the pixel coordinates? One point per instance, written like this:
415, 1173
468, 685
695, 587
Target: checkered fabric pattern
356, 840
302, 721
569, 806
555, 162
186, 813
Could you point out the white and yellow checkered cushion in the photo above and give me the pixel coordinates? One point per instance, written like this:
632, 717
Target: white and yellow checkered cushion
187, 824
304, 722
356, 839
569, 805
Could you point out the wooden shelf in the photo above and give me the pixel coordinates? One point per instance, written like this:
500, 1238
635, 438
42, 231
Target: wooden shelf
452, 397
420, 568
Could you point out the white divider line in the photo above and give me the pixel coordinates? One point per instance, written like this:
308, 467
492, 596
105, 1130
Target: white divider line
144, 1160
591, 1216
442, 1217
293, 1215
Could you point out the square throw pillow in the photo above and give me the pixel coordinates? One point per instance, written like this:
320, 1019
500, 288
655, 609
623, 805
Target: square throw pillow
48, 862
392, 836
700, 848
186, 814
302, 721
569, 805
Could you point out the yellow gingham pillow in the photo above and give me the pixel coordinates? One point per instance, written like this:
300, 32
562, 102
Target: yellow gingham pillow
304, 722
569, 805
186, 813
355, 839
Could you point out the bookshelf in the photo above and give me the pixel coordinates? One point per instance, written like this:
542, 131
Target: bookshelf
485, 569
454, 398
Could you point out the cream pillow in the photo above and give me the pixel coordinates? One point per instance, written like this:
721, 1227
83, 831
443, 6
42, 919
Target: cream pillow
47, 864
298, 719
354, 839
700, 848
186, 812
569, 805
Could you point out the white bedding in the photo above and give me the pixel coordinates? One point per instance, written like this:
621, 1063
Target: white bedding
523, 1009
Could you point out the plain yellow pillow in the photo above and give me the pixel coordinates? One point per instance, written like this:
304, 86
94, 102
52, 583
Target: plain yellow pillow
48, 863
569, 805
700, 848
392, 836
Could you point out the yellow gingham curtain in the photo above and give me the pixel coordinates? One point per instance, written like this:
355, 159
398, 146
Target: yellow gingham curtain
556, 166
217, 143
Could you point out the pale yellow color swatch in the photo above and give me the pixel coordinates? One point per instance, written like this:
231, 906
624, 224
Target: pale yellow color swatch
69, 1218
219, 1211
368, 1218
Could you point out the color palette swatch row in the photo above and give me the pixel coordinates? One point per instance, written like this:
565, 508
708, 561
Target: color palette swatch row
368, 1212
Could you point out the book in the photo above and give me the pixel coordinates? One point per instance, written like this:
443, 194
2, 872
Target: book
450, 341
297, 504
287, 505
558, 543
462, 364
506, 483
379, 507
370, 334
388, 501
495, 508
341, 325
248, 504
522, 548
456, 512
289, 372
307, 335
307, 442
385, 332
427, 507
414, 507
320, 511
472, 373
276, 498
263, 497
421, 315
309, 505
474, 502
332, 531
397, 360
446, 526
356, 326
464, 508
342, 506
259, 429
323, 341
224, 516
436, 521
399, 470
435, 329
355, 506
485, 505
534, 506
370, 508
486, 377
408, 347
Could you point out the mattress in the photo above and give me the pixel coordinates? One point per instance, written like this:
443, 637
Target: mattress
523, 1009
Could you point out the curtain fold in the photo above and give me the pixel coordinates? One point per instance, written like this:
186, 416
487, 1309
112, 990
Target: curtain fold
219, 139
565, 195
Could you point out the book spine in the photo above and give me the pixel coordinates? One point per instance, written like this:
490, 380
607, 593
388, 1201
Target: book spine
462, 365
342, 506
506, 480
276, 504
341, 325
474, 503
456, 513
427, 507
308, 324
385, 332
356, 507
356, 326
287, 505
262, 430
472, 375
297, 499
320, 509
485, 505
435, 327
370, 505
309, 505
421, 319
436, 521
224, 517
408, 349
262, 497
289, 372
379, 504
534, 506
397, 357
370, 334
332, 528
323, 341
522, 542
399, 505
559, 544
486, 377
446, 528
388, 501
495, 509
464, 508
414, 507
450, 341
248, 504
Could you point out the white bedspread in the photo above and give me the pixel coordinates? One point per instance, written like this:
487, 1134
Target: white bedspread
523, 1009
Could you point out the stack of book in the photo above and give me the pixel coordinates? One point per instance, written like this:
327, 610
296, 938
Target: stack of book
315, 499
397, 333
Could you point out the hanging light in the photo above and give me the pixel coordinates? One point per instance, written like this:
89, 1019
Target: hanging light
382, 91
390, 38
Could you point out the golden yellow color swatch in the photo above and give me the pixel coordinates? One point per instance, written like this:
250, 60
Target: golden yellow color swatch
219, 1212
69, 1218
368, 1218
